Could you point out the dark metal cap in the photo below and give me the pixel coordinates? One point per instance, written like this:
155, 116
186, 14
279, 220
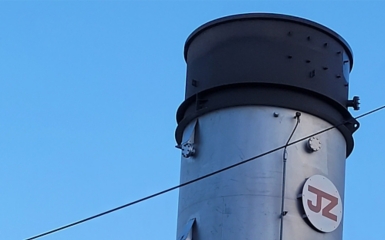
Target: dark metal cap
268, 59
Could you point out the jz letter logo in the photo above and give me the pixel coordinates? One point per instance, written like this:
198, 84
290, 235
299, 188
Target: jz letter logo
323, 208
318, 206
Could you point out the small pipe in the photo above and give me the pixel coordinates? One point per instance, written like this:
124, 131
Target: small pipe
283, 212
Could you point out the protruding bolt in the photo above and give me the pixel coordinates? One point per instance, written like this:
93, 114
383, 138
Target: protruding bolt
276, 114
354, 103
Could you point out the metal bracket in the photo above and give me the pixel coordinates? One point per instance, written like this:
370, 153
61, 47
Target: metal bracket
187, 231
188, 147
352, 124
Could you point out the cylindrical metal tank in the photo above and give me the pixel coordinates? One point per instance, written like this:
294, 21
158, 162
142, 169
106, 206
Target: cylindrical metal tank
254, 83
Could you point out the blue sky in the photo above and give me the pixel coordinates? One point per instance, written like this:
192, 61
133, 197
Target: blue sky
88, 96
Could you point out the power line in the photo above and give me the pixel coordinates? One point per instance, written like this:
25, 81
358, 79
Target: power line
199, 178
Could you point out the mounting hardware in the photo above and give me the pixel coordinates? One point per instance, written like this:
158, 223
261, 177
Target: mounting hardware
188, 147
313, 144
284, 213
312, 74
354, 103
275, 114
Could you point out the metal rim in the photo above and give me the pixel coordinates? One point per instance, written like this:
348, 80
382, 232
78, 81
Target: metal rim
269, 16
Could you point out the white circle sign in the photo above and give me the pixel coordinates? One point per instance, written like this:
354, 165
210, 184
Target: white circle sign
322, 203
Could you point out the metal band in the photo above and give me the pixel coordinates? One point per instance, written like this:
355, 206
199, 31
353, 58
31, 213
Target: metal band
267, 95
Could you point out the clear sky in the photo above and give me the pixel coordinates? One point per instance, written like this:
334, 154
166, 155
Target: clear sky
88, 96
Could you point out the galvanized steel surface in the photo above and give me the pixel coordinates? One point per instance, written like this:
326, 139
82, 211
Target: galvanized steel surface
245, 202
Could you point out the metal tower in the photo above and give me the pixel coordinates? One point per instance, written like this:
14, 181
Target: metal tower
256, 82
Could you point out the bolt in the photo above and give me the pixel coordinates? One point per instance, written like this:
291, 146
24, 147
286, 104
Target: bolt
276, 114
312, 74
355, 103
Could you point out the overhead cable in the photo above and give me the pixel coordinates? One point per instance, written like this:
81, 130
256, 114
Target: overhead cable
199, 178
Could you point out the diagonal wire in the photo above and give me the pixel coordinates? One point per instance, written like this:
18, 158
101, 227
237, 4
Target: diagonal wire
199, 178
